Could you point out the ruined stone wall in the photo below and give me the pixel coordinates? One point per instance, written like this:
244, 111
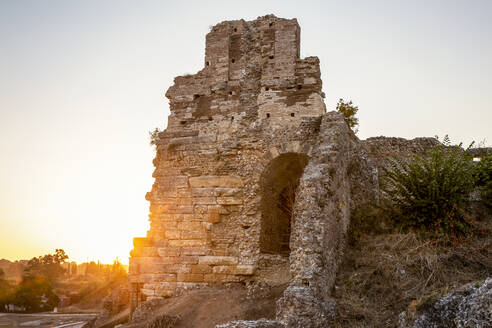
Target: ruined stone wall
252, 173
380, 149
338, 176
227, 122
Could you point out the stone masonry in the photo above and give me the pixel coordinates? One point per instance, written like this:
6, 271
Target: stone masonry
252, 174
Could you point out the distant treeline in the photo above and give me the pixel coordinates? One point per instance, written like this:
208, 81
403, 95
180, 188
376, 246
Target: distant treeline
44, 279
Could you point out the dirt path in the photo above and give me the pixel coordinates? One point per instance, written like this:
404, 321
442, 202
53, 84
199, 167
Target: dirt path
207, 307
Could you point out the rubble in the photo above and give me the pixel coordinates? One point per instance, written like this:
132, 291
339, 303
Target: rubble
467, 307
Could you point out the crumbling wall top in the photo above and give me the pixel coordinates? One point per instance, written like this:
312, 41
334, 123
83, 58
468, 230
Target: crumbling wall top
247, 67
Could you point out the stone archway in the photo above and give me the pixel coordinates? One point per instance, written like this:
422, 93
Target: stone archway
279, 183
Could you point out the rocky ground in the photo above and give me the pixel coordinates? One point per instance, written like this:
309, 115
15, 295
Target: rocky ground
386, 273
211, 306
388, 278
467, 307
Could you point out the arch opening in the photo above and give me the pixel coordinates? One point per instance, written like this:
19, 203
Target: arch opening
279, 184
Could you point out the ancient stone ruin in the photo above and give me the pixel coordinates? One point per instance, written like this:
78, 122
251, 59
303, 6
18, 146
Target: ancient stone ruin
254, 180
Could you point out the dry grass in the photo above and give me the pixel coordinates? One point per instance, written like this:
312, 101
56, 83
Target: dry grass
163, 321
385, 274
207, 307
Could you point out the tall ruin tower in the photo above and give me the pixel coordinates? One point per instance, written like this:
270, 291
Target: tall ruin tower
252, 71
247, 150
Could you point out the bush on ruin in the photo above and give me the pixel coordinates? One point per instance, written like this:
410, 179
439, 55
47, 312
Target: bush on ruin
154, 137
349, 110
431, 192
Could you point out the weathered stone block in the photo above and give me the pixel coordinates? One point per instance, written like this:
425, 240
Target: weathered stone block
172, 181
213, 216
164, 285
216, 181
217, 208
142, 242
172, 234
229, 201
174, 218
194, 251
179, 209
178, 200
214, 192
158, 209
165, 268
168, 251
219, 277
201, 268
185, 193
191, 285
190, 225
176, 134
205, 200
187, 243
246, 270
218, 260
190, 277
149, 251
169, 259
188, 259
194, 234
157, 277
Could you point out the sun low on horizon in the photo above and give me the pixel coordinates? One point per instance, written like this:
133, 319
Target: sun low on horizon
82, 84
83, 215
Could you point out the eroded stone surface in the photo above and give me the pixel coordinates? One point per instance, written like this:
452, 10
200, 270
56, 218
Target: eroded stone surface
468, 307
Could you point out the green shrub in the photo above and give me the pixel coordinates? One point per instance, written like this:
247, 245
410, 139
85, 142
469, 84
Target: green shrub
430, 192
484, 179
349, 110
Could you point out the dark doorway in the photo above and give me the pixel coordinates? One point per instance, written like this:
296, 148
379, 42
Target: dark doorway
279, 184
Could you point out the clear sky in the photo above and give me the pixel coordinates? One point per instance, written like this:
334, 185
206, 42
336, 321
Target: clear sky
82, 83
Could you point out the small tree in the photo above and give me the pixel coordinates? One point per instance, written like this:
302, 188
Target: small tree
35, 294
48, 266
349, 110
154, 137
431, 191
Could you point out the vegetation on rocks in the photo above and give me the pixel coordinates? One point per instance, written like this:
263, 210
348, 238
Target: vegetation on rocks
154, 137
431, 192
386, 271
349, 110
391, 269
